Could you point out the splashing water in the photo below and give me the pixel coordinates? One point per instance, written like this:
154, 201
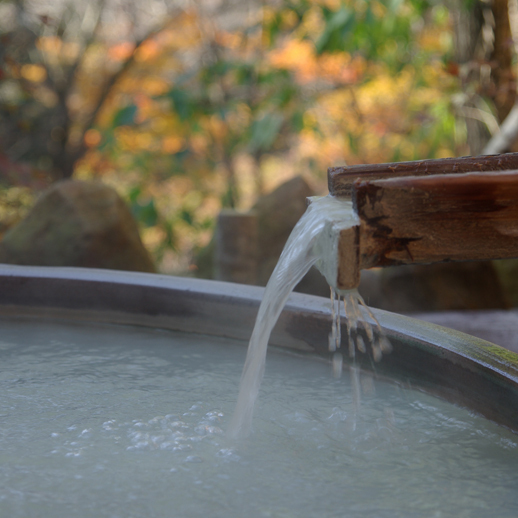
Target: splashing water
304, 248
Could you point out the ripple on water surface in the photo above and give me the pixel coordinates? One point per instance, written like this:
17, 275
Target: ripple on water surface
111, 421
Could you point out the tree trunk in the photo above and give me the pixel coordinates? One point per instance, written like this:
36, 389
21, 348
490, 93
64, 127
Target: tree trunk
504, 81
231, 196
468, 45
258, 175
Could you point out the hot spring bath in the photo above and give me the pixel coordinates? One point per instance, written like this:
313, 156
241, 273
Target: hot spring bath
127, 420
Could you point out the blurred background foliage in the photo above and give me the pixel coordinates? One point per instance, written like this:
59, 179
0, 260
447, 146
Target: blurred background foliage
188, 107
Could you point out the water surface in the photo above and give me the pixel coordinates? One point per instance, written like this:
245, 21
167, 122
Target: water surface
108, 421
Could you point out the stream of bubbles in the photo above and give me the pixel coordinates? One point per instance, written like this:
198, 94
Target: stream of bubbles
301, 252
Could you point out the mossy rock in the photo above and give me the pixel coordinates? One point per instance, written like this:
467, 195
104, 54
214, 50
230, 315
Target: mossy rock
77, 223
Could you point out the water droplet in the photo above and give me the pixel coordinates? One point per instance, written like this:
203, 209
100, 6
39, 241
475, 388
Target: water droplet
337, 364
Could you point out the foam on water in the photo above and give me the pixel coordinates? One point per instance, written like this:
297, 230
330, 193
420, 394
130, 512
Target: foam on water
106, 421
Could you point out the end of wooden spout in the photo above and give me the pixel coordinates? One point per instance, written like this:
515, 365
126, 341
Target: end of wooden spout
339, 251
452, 209
348, 251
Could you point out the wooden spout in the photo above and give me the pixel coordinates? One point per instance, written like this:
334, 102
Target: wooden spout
430, 218
464, 217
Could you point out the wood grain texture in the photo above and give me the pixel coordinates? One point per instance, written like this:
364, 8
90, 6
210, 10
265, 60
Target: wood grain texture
348, 271
429, 219
341, 179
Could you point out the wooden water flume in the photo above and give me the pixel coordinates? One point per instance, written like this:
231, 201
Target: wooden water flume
392, 220
455, 209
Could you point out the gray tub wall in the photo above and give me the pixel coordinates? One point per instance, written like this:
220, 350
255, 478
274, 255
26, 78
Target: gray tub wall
458, 367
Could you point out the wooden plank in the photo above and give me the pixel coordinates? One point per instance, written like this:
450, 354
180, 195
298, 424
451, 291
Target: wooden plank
472, 216
341, 179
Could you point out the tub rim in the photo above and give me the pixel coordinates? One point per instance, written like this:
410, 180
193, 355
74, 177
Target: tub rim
458, 367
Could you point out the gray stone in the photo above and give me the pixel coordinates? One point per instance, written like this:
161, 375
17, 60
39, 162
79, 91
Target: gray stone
507, 270
434, 287
77, 223
276, 214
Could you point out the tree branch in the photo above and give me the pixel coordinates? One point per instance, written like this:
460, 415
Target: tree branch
505, 138
107, 88
89, 40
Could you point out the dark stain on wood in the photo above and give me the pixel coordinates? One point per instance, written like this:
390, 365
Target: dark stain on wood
437, 218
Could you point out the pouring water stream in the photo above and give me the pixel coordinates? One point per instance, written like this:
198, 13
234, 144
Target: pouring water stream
304, 248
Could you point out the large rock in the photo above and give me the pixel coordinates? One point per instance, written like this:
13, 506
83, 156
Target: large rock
434, 287
507, 270
276, 214
77, 223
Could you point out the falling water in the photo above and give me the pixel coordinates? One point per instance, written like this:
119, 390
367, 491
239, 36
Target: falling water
303, 250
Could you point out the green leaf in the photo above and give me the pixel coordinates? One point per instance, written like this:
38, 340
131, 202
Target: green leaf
338, 27
394, 5
370, 19
181, 102
264, 131
244, 74
353, 142
186, 216
134, 194
273, 28
146, 214
125, 116
297, 121
107, 141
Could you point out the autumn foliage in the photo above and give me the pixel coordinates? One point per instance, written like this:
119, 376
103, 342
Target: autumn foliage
204, 112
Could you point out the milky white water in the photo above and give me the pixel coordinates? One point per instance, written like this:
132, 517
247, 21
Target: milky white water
105, 421
305, 247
